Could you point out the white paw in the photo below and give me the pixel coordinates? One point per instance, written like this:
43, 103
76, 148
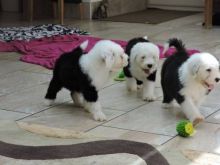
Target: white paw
99, 116
139, 87
48, 102
132, 89
167, 105
149, 98
79, 105
197, 120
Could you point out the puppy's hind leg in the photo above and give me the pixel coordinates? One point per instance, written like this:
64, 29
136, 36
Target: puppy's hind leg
77, 98
167, 101
54, 87
131, 84
92, 104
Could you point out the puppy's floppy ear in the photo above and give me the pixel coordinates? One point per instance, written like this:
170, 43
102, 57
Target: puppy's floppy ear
108, 58
195, 68
133, 57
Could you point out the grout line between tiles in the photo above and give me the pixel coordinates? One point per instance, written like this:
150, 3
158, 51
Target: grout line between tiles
43, 110
172, 137
209, 122
14, 111
212, 113
115, 117
138, 131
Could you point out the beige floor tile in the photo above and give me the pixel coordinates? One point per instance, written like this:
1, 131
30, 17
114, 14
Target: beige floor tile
206, 138
7, 66
30, 100
9, 115
19, 80
69, 117
117, 97
212, 100
38, 69
175, 157
151, 118
115, 133
10, 56
214, 118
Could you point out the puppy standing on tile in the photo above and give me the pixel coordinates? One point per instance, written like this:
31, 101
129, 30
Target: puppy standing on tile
86, 73
188, 79
142, 66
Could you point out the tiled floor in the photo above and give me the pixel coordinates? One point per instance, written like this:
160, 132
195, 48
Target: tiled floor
23, 86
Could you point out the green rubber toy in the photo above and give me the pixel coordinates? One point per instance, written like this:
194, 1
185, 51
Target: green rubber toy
120, 76
184, 128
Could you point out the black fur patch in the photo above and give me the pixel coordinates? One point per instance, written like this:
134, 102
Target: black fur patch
152, 76
68, 74
170, 82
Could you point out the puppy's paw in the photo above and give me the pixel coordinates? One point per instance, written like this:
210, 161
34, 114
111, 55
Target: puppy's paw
132, 89
99, 116
167, 105
139, 87
48, 102
149, 98
198, 120
80, 105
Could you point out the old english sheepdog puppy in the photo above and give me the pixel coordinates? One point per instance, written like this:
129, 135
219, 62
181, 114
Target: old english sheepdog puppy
188, 79
85, 73
142, 66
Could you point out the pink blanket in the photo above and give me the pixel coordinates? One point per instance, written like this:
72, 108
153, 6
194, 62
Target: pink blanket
45, 51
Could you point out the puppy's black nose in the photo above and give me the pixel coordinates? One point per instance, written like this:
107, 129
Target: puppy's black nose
149, 65
217, 79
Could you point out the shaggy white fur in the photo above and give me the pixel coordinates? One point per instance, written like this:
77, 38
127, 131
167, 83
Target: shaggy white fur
144, 59
96, 67
199, 74
101, 63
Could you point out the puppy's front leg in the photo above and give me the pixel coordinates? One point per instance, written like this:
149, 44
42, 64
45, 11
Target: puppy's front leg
191, 111
92, 104
148, 90
131, 84
95, 109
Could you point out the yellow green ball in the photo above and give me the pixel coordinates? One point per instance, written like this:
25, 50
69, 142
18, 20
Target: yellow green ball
184, 128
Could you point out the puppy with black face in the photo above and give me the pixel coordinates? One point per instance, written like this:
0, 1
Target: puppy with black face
142, 66
188, 79
84, 74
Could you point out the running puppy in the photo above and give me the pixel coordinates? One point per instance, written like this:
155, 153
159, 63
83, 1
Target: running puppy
142, 66
85, 73
188, 79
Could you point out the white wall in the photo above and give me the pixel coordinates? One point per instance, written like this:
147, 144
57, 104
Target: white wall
177, 4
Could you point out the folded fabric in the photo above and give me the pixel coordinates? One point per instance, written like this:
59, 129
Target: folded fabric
45, 51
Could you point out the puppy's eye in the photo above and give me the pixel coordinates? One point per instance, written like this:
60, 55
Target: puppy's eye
143, 57
208, 70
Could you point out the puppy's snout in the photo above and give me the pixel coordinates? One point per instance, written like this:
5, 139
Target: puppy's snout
149, 65
217, 79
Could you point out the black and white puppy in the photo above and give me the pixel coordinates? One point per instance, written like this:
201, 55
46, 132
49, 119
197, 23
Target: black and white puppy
188, 79
142, 66
85, 73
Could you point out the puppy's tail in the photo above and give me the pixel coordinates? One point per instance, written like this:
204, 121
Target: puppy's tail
178, 44
84, 45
